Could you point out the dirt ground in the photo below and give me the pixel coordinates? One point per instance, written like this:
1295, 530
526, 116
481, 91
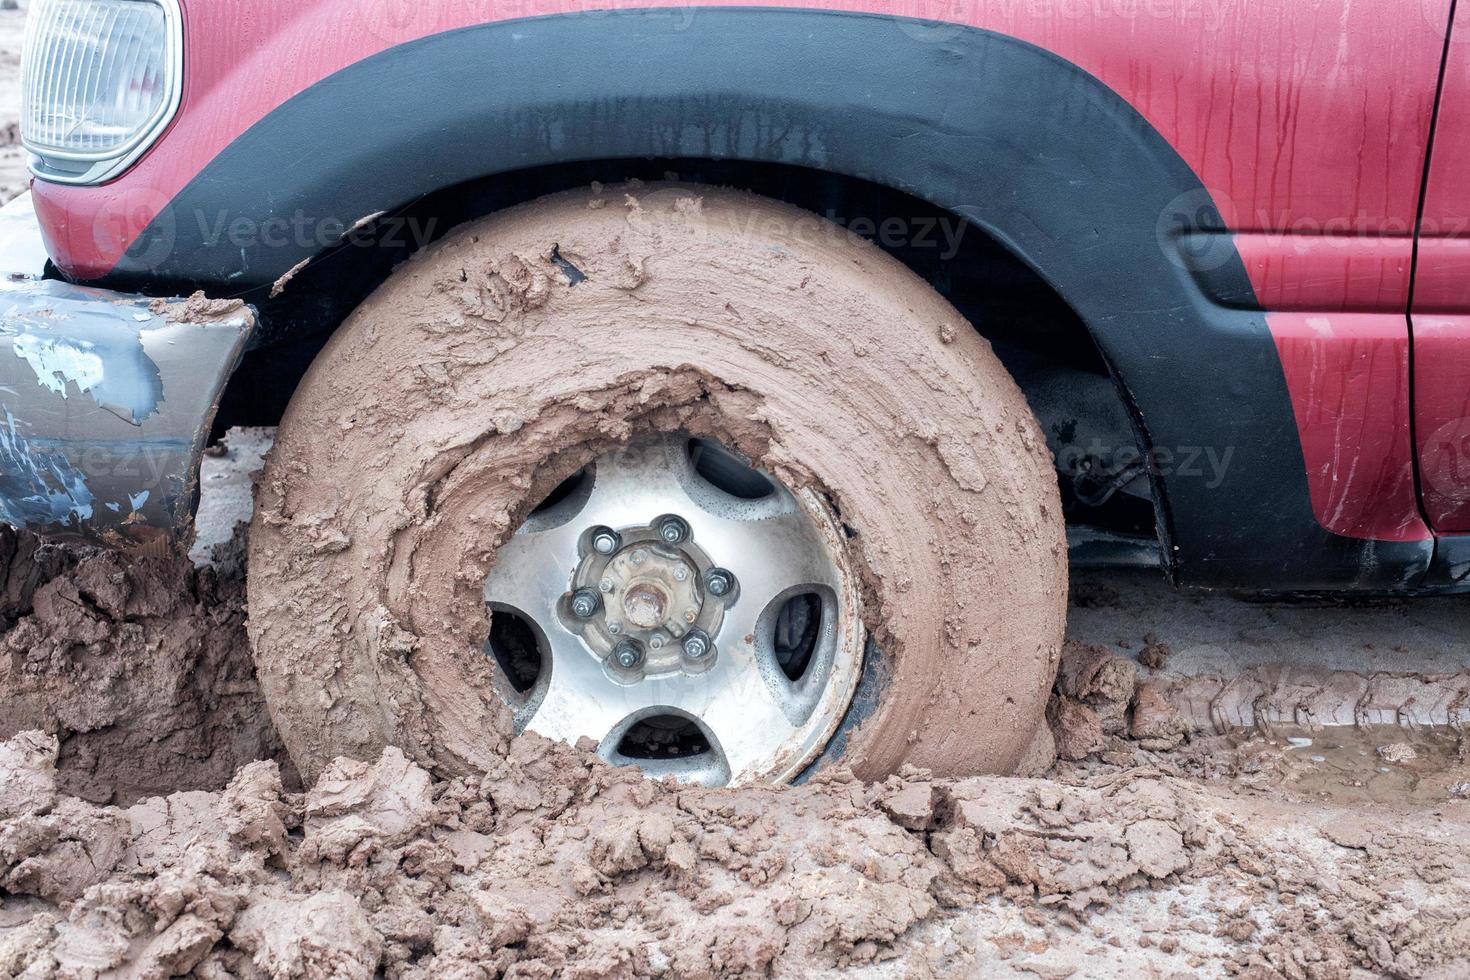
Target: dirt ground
151, 826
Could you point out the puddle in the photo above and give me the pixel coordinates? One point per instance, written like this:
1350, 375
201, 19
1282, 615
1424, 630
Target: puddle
1373, 764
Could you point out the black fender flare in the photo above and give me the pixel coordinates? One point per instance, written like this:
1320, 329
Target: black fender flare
1041, 154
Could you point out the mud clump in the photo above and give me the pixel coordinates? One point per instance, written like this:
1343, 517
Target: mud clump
1155, 653
1154, 722
26, 563
1096, 677
553, 860
139, 667
197, 308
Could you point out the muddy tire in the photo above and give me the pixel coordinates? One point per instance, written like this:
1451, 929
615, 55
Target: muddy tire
500, 362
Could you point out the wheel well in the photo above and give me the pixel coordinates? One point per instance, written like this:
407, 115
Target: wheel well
1036, 334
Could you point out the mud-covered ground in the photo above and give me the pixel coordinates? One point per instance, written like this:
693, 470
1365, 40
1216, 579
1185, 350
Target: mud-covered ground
150, 824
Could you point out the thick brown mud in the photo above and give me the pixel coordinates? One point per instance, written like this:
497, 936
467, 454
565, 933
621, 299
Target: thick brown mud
150, 831
554, 864
138, 666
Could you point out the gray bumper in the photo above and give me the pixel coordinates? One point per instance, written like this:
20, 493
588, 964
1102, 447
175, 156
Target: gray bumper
106, 399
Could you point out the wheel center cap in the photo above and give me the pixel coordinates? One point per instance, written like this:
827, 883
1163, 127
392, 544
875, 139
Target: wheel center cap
645, 605
649, 595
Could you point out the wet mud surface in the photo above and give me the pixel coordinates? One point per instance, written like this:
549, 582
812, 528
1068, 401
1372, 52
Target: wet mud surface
150, 826
138, 666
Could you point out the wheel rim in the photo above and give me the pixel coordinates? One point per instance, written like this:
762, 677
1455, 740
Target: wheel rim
685, 612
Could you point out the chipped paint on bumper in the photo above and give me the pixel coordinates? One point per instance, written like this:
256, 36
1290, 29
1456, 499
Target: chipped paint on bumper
106, 400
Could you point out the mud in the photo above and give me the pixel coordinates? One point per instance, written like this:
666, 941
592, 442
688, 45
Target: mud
555, 864
196, 308
153, 843
139, 667
1276, 695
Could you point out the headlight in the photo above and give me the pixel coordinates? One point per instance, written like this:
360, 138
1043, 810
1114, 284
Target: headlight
100, 79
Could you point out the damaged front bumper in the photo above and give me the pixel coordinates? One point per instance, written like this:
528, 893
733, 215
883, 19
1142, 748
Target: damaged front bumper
106, 399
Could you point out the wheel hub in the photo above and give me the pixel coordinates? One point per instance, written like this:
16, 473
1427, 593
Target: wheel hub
654, 588
652, 594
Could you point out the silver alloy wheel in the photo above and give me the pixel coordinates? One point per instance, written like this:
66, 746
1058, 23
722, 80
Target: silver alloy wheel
668, 585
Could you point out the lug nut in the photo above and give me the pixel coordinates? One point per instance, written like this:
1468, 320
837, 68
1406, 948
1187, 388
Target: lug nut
672, 530
697, 645
585, 603
628, 654
719, 582
605, 540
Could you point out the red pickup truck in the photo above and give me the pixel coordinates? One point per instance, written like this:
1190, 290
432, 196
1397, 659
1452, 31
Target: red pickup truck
730, 384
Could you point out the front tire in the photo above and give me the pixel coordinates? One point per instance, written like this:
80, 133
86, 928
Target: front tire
507, 358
